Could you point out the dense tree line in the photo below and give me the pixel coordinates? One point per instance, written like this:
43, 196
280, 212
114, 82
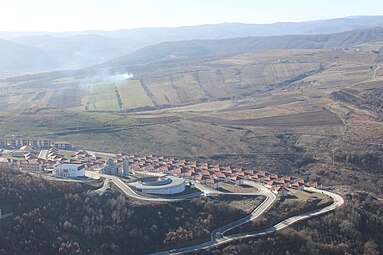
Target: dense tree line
19, 189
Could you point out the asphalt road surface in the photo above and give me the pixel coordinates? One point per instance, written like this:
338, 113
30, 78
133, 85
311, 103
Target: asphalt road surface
218, 238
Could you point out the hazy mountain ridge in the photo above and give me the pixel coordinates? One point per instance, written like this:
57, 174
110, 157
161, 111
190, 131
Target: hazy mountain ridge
196, 48
223, 30
79, 50
72, 50
16, 57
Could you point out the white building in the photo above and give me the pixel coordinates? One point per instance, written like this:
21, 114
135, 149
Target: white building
63, 145
41, 143
162, 186
125, 166
69, 170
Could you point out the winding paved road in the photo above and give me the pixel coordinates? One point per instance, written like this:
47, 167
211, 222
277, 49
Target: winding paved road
131, 193
217, 239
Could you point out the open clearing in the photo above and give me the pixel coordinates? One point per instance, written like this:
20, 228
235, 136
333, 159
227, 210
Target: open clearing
225, 187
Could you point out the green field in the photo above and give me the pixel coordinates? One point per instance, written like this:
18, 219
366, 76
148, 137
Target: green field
104, 97
133, 95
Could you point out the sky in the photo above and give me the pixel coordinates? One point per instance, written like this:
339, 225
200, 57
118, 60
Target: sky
77, 15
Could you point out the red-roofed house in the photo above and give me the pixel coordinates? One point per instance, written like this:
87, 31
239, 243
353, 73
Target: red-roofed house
274, 177
236, 181
249, 172
176, 171
206, 173
282, 191
284, 183
273, 184
198, 178
213, 183
298, 186
315, 185
266, 179
222, 177
187, 174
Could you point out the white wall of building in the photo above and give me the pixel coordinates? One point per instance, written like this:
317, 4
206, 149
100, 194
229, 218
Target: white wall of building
165, 191
69, 170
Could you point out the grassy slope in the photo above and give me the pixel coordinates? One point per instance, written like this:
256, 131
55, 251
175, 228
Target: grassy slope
103, 98
133, 95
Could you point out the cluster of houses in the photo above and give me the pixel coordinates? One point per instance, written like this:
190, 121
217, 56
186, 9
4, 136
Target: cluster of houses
19, 152
59, 163
26, 159
214, 175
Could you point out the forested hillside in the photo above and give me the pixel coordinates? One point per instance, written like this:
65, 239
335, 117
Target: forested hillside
65, 218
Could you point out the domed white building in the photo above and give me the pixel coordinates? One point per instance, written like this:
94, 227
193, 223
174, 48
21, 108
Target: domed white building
162, 186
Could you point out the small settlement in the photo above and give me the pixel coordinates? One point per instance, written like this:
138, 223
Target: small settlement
34, 156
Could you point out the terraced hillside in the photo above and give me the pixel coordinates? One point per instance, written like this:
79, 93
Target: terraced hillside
301, 114
249, 74
73, 94
189, 81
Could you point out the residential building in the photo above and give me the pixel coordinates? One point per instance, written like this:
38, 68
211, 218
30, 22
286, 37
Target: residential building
41, 143
32, 165
63, 145
3, 142
298, 186
6, 163
236, 180
24, 150
69, 170
213, 183
282, 191
17, 142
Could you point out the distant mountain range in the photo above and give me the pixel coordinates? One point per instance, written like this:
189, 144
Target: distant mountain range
79, 49
15, 58
201, 48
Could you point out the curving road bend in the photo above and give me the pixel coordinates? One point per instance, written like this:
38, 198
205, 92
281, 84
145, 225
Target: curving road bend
217, 236
131, 193
217, 239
